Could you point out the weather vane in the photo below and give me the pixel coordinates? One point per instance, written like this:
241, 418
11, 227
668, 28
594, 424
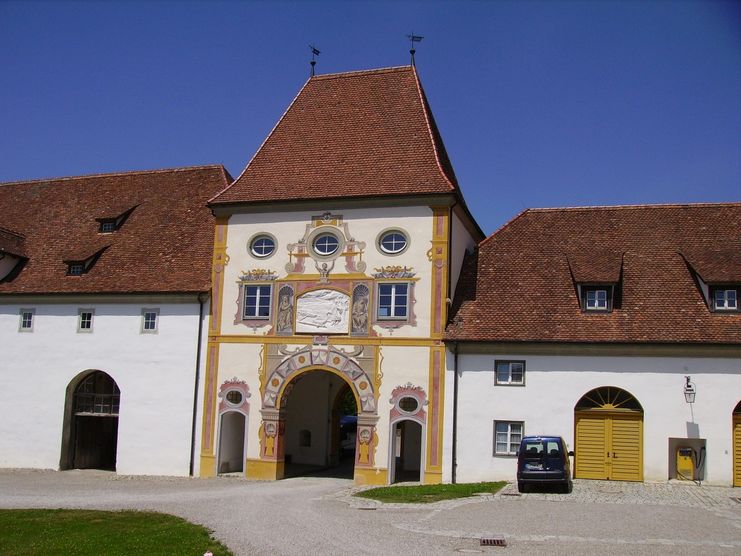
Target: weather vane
314, 53
412, 39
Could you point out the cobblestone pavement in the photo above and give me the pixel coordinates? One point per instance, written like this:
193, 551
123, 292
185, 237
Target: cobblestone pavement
320, 516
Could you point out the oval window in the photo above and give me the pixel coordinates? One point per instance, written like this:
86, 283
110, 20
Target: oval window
234, 397
393, 242
408, 404
262, 246
326, 244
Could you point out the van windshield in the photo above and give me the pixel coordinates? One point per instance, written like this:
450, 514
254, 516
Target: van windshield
539, 448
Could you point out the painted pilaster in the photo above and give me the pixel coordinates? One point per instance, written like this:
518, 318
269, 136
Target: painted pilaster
220, 260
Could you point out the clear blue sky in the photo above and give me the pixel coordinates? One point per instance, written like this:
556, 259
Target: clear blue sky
540, 103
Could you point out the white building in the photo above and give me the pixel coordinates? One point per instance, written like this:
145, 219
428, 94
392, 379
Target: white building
104, 298
588, 323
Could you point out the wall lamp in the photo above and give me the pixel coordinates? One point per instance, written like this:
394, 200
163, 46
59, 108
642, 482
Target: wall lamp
689, 390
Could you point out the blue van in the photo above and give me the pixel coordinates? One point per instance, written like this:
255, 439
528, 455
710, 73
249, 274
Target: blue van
543, 460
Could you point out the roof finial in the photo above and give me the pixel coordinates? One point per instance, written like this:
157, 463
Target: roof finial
412, 39
314, 53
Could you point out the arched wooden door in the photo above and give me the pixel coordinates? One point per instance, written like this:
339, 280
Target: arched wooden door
737, 445
609, 436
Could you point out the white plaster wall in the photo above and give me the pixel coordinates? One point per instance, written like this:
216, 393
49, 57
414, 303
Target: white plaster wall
364, 225
554, 384
401, 364
243, 361
155, 373
460, 241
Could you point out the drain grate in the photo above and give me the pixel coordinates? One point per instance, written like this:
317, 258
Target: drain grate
493, 542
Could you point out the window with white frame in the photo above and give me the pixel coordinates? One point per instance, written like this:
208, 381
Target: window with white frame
150, 321
75, 269
596, 298
510, 373
725, 299
26, 320
393, 300
257, 301
507, 437
85, 320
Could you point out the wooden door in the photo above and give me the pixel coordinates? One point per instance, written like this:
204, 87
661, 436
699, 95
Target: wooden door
737, 450
609, 446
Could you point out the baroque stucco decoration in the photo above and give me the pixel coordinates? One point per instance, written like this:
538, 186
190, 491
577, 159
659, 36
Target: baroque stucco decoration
350, 249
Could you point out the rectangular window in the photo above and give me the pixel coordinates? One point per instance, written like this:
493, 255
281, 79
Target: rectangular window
257, 301
507, 437
149, 321
510, 373
26, 320
75, 269
725, 299
107, 226
85, 320
596, 298
393, 300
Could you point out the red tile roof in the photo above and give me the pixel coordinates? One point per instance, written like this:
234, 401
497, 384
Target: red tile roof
164, 245
518, 287
356, 134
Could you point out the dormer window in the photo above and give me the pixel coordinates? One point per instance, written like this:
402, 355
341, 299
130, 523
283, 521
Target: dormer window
107, 226
75, 269
596, 298
725, 298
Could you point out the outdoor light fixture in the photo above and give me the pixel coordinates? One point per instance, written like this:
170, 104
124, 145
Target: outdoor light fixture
689, 391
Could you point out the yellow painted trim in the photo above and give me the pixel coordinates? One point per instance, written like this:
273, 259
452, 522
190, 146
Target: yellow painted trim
439, 243
433, 477
315, 277
440, 404
736, 433
333, 341
378, 476
264, 470
208, 465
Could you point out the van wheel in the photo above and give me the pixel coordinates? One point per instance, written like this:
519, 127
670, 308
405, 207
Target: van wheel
568, 487
521, 486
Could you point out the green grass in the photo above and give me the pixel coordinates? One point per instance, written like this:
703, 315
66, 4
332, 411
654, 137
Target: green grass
429, 493
97, 533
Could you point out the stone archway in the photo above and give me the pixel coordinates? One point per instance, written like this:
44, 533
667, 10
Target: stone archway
277, 386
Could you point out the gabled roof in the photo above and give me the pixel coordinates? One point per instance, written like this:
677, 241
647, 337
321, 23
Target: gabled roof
519, 287
164, 246
357, 134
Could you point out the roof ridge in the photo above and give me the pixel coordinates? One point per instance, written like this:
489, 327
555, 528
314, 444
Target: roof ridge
637, 206
353, 73
112, 174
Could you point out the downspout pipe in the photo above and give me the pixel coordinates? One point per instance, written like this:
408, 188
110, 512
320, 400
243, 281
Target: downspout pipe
202, 297
454, 450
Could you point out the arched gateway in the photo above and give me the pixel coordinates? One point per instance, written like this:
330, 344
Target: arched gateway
609, 435
301, 391
90, 430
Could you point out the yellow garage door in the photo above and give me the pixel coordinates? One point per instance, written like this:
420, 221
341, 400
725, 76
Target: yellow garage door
609, 446
737, 450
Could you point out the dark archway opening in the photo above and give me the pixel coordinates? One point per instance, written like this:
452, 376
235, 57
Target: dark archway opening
320, 426
407, 451
91, 423
231, 442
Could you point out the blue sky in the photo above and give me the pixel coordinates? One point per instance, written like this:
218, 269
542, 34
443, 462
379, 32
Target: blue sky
540, 103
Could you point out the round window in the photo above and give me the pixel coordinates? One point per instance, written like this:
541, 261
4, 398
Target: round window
393, 242
408, 404
262, 246
234, 397
326, 244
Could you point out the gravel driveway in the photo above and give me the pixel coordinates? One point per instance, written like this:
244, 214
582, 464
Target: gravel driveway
319, 516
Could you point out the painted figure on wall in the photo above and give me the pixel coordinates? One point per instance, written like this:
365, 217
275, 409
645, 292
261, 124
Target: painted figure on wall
361, 296
285, 310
